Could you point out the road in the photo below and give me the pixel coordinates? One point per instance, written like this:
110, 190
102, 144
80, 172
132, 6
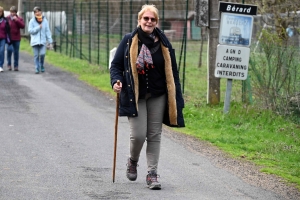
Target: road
56, 142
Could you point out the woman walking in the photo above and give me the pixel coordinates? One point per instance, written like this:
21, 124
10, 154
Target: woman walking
40, 34
150, 92
4, 36
16, 23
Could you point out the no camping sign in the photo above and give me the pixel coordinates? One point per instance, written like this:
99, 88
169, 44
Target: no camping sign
232, 62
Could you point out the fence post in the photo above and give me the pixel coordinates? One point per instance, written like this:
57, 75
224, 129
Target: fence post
185, 35
98, 34
80, 30
90, 32
107, 34
121, 16
67, 33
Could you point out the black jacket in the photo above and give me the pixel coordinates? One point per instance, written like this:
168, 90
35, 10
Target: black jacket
123, 68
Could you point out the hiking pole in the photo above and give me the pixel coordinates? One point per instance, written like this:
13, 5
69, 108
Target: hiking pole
116, 133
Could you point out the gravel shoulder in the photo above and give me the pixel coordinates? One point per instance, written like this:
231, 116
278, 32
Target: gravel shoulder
246, 170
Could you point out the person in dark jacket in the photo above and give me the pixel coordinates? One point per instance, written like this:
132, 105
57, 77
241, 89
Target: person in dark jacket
16, 23
4, 36
150, 91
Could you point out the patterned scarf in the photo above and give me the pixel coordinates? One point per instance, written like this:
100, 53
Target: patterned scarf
144, 58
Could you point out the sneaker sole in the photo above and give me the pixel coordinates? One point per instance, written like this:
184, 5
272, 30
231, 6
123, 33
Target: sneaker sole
131, 179
155, 187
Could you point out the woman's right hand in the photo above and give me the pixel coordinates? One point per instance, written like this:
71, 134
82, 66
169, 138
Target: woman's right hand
117, 87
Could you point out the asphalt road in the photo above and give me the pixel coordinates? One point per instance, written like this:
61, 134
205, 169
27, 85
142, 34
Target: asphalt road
56, 142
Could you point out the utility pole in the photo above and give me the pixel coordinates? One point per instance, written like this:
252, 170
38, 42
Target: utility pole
20, 12
213, 93
20, 8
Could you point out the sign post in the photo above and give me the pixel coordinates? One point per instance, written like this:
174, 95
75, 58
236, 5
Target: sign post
233, 52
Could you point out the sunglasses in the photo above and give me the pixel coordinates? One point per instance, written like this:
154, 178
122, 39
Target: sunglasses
147, 19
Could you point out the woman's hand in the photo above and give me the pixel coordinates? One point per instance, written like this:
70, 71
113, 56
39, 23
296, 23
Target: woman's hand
117, 87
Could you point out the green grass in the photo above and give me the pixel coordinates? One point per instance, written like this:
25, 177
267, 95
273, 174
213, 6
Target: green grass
246, 132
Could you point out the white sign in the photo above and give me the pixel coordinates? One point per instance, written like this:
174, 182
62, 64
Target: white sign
236, 29
232, 62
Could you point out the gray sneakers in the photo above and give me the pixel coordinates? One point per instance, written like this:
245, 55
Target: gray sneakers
151, 180
131, 171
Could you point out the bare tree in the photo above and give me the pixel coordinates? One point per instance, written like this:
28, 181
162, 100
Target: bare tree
275, 69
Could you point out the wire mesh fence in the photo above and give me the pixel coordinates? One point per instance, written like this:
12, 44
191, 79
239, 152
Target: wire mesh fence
89, 30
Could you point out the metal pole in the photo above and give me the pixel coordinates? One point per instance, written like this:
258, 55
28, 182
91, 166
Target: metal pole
21, 13
98, 35
107, 34
185, 35
163, 15
20, 8
227, 96
121, 23
90, 33
81, 30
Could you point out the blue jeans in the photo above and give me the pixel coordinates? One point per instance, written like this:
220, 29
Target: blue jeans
39, 52
13, 48
2, 50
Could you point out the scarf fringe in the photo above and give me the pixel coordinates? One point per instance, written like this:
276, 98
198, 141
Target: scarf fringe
140, 68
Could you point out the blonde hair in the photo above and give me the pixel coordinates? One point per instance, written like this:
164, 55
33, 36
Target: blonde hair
150, 8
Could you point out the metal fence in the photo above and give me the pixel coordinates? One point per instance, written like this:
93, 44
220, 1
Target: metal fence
89, 30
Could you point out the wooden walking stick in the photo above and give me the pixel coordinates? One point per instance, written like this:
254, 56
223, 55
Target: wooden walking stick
116, 133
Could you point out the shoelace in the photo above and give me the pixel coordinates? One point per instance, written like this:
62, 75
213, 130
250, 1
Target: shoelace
132, 168
153, 177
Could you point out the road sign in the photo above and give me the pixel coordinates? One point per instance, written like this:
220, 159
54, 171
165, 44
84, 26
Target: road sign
232, 62
236, 29
237, 8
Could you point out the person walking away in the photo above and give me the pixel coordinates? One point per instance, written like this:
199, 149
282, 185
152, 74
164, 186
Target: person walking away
150, 91
4, 36
16, 23
40, 34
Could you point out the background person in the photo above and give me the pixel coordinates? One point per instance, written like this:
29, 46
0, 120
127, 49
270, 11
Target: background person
4, 36
16, 23
40, 34
150, 92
